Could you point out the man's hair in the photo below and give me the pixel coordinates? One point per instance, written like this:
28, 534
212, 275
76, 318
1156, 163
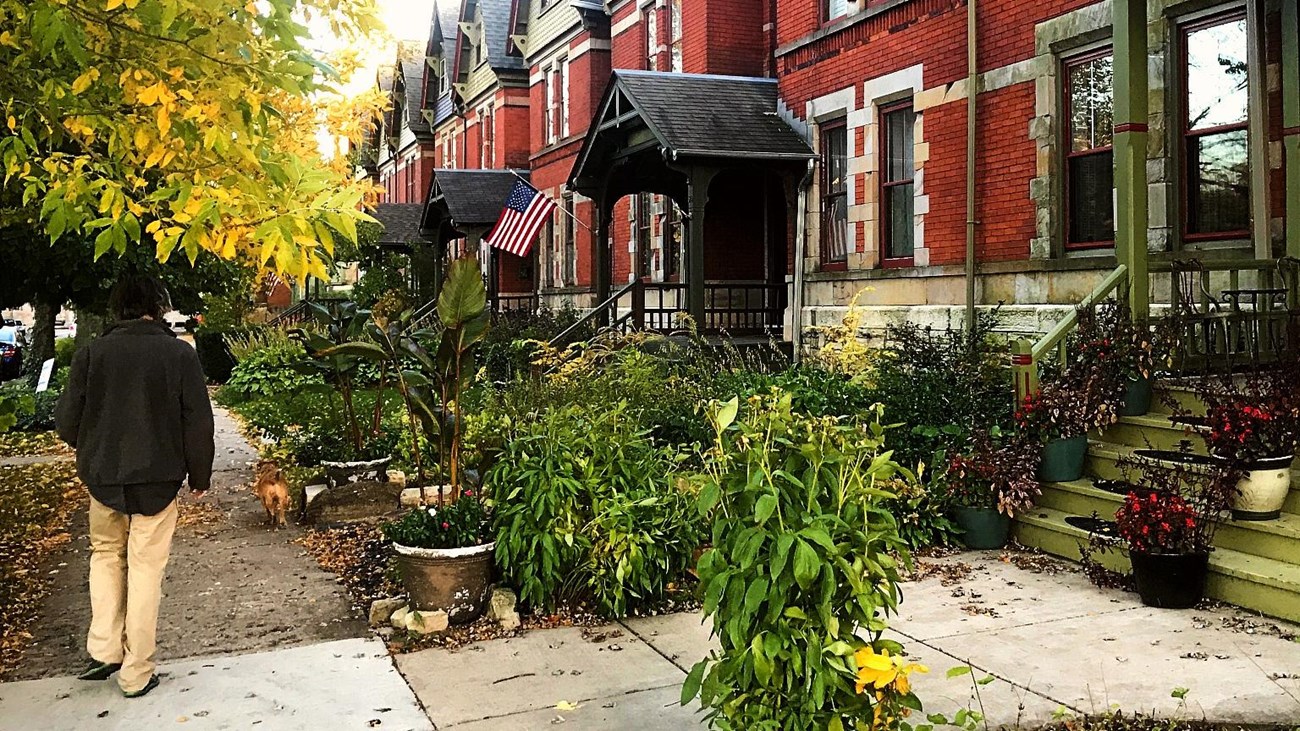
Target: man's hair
137, 296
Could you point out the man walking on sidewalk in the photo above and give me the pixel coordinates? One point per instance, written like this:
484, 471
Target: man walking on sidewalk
136, 409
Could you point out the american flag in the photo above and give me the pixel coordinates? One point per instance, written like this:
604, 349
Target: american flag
525, 212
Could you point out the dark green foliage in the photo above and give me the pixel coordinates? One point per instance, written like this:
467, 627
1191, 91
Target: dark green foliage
64, 349
37, 411
802, 569
587, 508
214, 354
941, 386
456, 525
506, 352
269, 371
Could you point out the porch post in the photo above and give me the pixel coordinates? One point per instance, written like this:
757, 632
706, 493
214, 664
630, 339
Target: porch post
600, 259
1291, 121
698, 195
1130, 23
494, 279
1257, 134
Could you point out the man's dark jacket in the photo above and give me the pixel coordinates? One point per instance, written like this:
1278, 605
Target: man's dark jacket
136, 408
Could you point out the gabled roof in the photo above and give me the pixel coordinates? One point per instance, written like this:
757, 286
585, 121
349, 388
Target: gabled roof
443, 30
717, 116
410, 63
468, 198
401, 222
495, 15
692, 115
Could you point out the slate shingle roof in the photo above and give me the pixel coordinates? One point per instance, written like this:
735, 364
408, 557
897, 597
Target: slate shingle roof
496, 23
720, 116
472, 197
410, 59
401, 222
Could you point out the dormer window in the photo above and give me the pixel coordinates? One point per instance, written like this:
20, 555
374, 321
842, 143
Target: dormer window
479, 42
444, 80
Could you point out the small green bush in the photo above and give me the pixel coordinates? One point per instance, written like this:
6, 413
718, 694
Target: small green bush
587, 508
38, 412
269, 371
801, 573
64, 349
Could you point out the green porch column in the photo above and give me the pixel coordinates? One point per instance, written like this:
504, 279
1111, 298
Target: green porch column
1291, 121
1130, 22
602, 273
698, 197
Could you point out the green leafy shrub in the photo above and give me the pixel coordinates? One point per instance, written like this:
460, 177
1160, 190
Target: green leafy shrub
587, 508
37, 410
801, 570
271, 370
64, 349
507, 349
456, 525
945, 385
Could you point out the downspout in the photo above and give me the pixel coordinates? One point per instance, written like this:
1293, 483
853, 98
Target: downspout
972, 92
800, 246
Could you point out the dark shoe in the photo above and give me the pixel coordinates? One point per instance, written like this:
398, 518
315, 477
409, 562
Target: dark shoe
97, 670
153, 683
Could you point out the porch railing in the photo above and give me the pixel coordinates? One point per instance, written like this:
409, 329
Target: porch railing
299, 312
1252, 320
1027, 354
526, 302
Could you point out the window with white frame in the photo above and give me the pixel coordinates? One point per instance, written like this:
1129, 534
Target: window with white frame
675, 36
564, 97
556, 123
651, 37
444, 82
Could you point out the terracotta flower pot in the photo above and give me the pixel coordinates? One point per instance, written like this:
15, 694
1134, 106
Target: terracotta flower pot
457, 581
1261, 493
982, 528
1063, 459
1170, 580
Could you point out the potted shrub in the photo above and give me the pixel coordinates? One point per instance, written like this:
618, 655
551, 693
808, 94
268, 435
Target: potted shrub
1252, 424
989, 485
362, 452
1121, 353
444, 552
1057, 417
1168, 523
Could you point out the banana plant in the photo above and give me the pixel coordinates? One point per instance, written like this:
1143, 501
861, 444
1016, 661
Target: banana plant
338, 325
445, 358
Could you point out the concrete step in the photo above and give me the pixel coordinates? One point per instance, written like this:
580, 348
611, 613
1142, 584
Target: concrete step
1181, 394
1155, 431
1262, 584
1104, 457
1274, 539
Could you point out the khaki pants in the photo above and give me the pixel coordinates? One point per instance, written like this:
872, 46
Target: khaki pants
128, 556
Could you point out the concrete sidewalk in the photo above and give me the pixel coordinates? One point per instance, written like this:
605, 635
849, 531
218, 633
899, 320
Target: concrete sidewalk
347, 684
1053, 643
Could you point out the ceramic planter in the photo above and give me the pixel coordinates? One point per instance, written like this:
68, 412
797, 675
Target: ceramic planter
457, 581
1063, 459
1170, 580
1137, 397
982, 528
1261, 493
341, 473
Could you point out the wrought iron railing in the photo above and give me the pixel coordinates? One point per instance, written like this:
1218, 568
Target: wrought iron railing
300, 311
603, 315
1234, 314
743, 308
526, 302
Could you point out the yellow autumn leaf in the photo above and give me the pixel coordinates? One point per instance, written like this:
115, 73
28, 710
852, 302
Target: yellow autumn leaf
13, 123
114, 4
84, 81
164, 120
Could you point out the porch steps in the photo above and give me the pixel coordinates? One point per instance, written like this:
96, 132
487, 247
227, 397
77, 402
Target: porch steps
1262, 584
1255, 564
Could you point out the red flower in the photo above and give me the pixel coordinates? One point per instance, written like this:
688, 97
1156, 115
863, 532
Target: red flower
445, 526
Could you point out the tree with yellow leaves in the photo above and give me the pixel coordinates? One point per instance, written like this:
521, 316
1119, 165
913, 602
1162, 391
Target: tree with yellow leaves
181, 124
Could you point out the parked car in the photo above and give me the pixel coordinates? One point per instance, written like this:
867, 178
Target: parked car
11, 352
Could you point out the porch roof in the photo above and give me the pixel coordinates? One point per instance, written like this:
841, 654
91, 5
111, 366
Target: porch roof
689, 115
466, 199
401, 222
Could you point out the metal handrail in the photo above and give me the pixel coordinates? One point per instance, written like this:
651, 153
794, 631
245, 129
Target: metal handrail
593, 313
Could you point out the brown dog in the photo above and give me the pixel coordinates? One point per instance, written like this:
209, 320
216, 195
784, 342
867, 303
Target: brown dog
272, 490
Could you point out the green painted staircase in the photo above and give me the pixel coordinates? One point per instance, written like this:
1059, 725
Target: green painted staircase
1255, 564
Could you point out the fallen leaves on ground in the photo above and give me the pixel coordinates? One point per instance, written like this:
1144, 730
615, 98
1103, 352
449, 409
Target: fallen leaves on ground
32, 443
1249, 626
198, 514
949, 572
1120, 721
36, 504
360, 556
1034, 560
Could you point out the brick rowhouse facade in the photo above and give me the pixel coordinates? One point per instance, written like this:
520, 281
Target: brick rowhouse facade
885, 81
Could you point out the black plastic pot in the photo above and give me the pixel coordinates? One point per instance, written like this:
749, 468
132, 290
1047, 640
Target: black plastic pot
1137, 398
1170, 580
982, 528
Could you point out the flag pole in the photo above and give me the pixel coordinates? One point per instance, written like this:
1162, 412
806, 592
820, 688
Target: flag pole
525, 181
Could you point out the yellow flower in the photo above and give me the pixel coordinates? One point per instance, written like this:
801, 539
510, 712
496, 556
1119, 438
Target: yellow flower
877, 670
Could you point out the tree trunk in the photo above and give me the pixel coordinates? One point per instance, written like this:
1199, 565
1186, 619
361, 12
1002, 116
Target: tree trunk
90, 325
40, 343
